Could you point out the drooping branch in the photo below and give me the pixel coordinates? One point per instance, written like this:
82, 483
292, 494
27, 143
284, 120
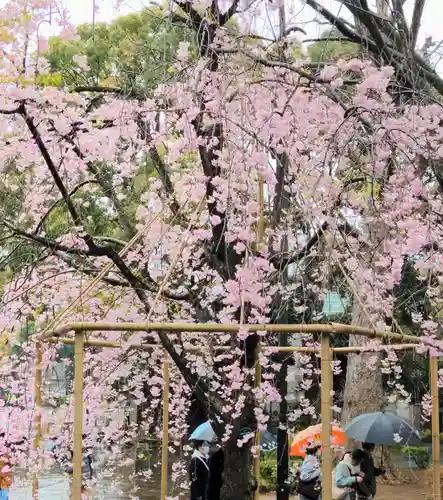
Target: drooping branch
151, 286
159, 164
105, 184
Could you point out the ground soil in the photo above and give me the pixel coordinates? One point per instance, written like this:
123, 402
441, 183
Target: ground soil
415, 488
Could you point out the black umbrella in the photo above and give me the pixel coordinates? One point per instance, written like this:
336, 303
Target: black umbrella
382, 428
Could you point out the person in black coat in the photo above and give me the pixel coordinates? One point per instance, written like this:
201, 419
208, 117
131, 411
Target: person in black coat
216, 466
368, 488
199, 470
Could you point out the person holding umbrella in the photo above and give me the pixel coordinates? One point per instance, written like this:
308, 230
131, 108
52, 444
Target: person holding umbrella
216, 467
379, 428
199, 470
368, 487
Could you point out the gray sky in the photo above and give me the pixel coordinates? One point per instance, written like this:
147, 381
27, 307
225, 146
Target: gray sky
81, 11
266, 19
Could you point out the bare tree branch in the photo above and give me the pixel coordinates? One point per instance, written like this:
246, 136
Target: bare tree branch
416, 21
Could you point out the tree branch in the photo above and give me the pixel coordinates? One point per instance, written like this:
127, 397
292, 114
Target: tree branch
158, 163
57, 179
224, 18
57, 202
107, 186
416, 21
92, 271
108, 90
46, 242
14, 111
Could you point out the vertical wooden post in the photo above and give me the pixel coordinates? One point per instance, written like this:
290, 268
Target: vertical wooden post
165, 442
260, 234
326, 405
78, 417
433, 368
256, 464
38, 414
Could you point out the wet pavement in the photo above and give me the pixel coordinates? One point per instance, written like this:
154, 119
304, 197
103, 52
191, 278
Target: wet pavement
57, 487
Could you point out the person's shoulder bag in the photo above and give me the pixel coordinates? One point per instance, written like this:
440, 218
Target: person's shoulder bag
309, 489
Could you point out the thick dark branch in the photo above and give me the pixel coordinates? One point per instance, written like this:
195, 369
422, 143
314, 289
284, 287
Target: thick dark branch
110, 90
54, 205
47, 242
416, 21
224, 18
15, 111
341, 25
193, 15
57, 179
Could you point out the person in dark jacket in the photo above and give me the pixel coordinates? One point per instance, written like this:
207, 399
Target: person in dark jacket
216, 466
199, 470
368, 487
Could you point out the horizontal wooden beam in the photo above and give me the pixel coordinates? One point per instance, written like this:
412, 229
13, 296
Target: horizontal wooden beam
290, 349
332, 329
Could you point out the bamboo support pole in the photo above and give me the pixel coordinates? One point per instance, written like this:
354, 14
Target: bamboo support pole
326, 415
78, 416
333, 328
256, 463
38, 413
433, 368
165, 442
259, 240
325, 352
290, 349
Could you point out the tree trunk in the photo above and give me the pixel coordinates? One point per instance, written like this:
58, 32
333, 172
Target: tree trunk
364, 383
237, 483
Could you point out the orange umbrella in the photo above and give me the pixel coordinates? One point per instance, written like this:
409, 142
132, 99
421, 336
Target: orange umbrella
312, 437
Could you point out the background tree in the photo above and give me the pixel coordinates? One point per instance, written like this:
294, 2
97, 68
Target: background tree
136, 52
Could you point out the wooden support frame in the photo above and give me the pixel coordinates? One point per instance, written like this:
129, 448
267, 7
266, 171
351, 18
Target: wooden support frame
165, 440
407, 342
433, 372
77, 464
326, 417
256, 461
38, 412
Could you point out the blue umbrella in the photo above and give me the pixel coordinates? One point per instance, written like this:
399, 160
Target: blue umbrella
383, 429
204, 432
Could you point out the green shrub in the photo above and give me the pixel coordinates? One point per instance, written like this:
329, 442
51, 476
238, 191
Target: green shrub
420, 455
426, 435
268, 470
268, 473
